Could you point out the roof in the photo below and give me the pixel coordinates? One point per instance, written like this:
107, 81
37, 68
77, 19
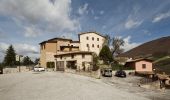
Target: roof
70, 53
52, 40
75, 41
136, 60
91, 32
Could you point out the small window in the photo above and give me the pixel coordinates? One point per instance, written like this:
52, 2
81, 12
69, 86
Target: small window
83, 56
61, 57
87, 45
72, 56
144, 66
93, 45
97, 39
93, 38
97, 46
87, 38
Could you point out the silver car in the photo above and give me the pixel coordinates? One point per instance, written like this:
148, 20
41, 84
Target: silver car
106, 72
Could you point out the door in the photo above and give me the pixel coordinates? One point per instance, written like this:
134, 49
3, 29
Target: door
60, 66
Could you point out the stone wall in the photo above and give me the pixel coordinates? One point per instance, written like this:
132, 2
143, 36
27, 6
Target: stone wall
8, 70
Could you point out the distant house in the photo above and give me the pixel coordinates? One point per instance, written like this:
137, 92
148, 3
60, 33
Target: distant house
140, 65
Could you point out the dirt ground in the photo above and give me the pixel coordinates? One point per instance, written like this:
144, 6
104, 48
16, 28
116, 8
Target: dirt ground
65, 86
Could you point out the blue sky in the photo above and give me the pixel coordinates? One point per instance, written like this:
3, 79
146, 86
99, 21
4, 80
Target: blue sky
25, 23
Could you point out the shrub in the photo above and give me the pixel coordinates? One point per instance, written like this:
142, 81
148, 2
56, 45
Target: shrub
121, 67
95, 68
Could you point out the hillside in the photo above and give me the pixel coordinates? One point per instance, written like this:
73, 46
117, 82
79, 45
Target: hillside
162, 64
158, 46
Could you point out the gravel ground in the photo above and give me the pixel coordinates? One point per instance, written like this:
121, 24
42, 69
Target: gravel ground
130, 85
62, 86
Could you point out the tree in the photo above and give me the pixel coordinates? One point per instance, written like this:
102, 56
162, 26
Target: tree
105, 54
107, 40
95, 62
9, 59
116, 44
27, 61
36, 60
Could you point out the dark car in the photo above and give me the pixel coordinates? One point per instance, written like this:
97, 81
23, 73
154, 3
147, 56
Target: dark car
120, 73
1, 70
106, 72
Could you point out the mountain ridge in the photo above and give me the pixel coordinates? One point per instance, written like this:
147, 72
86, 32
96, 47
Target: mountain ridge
160, 45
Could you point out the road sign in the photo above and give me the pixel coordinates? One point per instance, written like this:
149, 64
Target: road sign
17, 57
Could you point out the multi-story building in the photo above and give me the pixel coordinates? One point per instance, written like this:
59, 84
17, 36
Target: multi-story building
65, 53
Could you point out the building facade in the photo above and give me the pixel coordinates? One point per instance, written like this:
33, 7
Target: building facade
66, 53
91, 41
140, 65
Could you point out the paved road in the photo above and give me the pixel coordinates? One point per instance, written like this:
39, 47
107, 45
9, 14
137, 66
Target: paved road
59, 86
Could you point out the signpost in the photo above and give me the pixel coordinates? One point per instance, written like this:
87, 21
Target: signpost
18, 58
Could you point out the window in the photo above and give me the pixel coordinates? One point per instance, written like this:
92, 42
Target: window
87, 45
61, 57
72, 56
93, 38
144, 66
87, 38
97, 46
50, 64
93, 45
97, 39
83, 56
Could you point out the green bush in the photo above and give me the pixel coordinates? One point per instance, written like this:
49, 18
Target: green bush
95, 68
50, 65
121, 67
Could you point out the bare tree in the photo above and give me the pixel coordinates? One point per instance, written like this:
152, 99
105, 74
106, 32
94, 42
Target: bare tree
107, 40
117, 43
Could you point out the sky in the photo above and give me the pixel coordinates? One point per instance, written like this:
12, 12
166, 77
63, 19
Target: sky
26, 23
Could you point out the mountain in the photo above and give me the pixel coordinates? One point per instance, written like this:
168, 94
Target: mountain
162, 65
156, 47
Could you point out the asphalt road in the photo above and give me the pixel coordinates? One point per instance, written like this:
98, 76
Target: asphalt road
59, 86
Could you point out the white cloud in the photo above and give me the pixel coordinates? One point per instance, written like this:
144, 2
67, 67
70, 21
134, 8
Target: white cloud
3, 47
31, 32
147, 32
104, 27
83, 9
128, 45
45, 14
130, 23
161, 17
101, 12
23, 49
96, 17
26, 49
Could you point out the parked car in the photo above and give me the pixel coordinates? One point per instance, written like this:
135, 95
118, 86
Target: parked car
1, 70
106, 72
39, 69
120, 73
